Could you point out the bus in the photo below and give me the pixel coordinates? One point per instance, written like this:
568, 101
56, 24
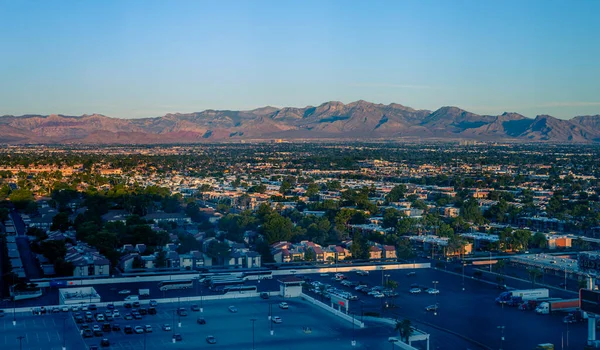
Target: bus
240, 289
207, 279
257, 275
175, 284
225, 282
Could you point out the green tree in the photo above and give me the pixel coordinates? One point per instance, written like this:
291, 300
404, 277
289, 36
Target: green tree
359, 247
405, 329
218, 250
397, 193
277, 228
21, 198
520, 239
391, 284
534, 274
263, 248
60, 222
3, 214
53, 249
312, 190
539, 240
63, 268
309, 255
161, 259
285, 187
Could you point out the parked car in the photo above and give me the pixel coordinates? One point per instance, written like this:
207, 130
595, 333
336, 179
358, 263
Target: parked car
136, 304
127, 305
264, 295
88, 333
138, 329
181, 311
110, 306
166, 327
195, 307
433, 291
143, 311
277, 319
116, 313
106, 327
104, 342
211, 340
116, 327
128, 316
153, 303
233, 309
128, 330
148, 328
93, 307
433, 307
284, 305
125, 292
415, 290
177, 337
201, 320
151, 311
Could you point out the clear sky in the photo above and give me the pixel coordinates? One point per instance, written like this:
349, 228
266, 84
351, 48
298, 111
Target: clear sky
130, 58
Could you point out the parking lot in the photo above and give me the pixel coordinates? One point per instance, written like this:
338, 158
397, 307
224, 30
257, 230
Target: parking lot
471, 313
39, 332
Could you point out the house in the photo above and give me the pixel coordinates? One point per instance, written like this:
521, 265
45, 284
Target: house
148, 261
178, 218
389, 252
173, 259
87, 261
374, 253
44, 219
126, 261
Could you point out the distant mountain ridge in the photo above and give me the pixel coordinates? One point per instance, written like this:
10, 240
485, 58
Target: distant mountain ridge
329, 121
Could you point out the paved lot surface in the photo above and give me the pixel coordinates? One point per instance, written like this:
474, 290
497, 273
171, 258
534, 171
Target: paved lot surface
471, 313
232, 330
40, 332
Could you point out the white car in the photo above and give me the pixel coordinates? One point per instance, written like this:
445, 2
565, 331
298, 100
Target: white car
139, 329
116, 313
379, 295
65, 308
125, 292
415, 290
284, 305
277, 319
74, 308
433, 291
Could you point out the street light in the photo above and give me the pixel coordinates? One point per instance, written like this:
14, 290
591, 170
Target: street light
501, 328
463, 275
353, 328
435, 293
490, 261
64, 347
14, 311
20, 341
253, 320
173, 327
201, 299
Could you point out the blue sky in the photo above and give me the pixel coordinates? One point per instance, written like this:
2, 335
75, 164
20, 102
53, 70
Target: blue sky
145, 58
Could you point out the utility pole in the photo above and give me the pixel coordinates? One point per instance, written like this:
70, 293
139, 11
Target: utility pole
64, 347
353, 328
501, 328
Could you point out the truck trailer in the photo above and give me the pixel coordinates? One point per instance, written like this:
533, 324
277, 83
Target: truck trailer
144, 292
523, 294
559, 305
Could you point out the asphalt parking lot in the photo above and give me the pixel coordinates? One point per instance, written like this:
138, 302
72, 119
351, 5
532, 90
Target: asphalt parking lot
471, 313
232, 330
39, 332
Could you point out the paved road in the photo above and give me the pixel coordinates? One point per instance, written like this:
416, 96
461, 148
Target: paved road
32, 269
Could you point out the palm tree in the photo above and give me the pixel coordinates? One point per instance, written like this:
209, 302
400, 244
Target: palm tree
405, 329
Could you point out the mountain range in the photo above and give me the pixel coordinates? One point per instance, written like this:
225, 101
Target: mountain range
358, 120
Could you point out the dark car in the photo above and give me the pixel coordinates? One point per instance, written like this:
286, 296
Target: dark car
201, 320
143, 311
137, 316
93, 347
181, 312
153, 303
128, 330
264, 295
79, 319
98, 333
177, 337
211, 340
106, 327
92, 307
151, 311
136, 304
110, 306
411, 274
105, 342
116, 327
127, 305
87, 333
195, 307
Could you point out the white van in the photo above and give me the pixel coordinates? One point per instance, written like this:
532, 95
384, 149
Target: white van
132, 298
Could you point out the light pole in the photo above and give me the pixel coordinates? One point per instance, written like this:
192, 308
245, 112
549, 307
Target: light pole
501, 328
253, 320
382, 268
173, 327
20, 341
435, 291
201, 299
14, 311
353, 328
490, 261
64, 347
392, 341
566, 281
